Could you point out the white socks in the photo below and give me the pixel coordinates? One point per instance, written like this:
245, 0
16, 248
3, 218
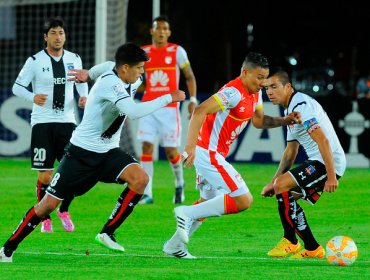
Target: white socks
209, 208
148, 167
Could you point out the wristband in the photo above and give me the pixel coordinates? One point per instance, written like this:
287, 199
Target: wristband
194, 100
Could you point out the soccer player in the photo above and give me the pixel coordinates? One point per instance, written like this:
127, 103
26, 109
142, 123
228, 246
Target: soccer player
214, 126
325, 165
53, 117
93, 154
162, 74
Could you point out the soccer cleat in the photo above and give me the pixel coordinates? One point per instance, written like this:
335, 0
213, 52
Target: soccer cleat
284, 248
180, 252
183, 224
109, 242
319, 253
6, 255
179, 195
67, 223
47, 226
146, 199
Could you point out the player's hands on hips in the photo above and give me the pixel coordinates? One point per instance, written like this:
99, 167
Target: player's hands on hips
331, 185
78, 75
268, 190
293, 117
188, 156
178, 95
82, 101
40, 99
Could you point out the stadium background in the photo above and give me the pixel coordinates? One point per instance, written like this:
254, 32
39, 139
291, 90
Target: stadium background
325, 49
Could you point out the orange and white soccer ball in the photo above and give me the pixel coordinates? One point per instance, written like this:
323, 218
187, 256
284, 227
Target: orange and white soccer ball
341, 250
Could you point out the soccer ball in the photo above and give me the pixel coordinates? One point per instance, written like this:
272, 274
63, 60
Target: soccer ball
341, 250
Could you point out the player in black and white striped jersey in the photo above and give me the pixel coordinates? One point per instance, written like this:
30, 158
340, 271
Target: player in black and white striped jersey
320, 173
94, 155
53, 113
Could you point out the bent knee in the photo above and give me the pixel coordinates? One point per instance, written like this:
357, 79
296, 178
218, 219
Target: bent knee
278, 186
139, 182
45, 177
245, 202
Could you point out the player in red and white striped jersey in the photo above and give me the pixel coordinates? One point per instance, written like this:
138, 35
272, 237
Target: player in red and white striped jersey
215, 124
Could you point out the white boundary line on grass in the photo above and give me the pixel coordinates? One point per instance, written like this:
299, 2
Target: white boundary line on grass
162, 256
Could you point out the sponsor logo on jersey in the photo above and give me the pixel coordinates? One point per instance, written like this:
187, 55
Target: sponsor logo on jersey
236, 132
59, 81
223, 98
159, 77
70, 66
45, 69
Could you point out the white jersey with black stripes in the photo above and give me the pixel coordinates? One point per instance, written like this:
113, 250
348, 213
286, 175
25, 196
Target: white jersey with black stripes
109, 102
48, 75
314, 116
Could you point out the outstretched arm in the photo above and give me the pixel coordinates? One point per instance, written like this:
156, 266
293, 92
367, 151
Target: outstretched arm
260, 120
137, 110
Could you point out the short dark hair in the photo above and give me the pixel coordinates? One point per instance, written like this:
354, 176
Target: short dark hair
161, 18
254, 60
52, 23
282, 75
130, 54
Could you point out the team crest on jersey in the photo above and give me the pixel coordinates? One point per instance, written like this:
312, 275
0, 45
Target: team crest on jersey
311, 124
168, 60
310, 169
70, 66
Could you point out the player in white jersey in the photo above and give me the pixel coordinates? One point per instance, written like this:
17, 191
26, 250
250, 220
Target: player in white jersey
94, 155
325, 165
53, 117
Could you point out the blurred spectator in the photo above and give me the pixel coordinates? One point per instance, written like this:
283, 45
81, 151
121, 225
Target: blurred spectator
363, 87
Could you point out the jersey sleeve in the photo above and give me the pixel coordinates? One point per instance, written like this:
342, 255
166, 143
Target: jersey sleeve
182, 58
99, 69
227, 98
25, 77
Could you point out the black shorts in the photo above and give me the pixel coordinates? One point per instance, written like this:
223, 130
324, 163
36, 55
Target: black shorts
48, 141
310, 178
81, 169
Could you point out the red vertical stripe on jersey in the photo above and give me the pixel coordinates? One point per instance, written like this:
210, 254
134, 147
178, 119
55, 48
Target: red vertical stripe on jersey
123, 207
229, 182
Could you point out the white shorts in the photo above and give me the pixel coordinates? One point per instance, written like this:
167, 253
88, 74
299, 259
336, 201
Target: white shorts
164, 123
215, 175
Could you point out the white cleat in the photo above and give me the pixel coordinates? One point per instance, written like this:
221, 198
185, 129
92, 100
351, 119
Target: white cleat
180, 252
183, 224
108, 242
3, 257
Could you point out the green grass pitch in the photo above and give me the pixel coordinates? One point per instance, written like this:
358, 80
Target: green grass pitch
227, 247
